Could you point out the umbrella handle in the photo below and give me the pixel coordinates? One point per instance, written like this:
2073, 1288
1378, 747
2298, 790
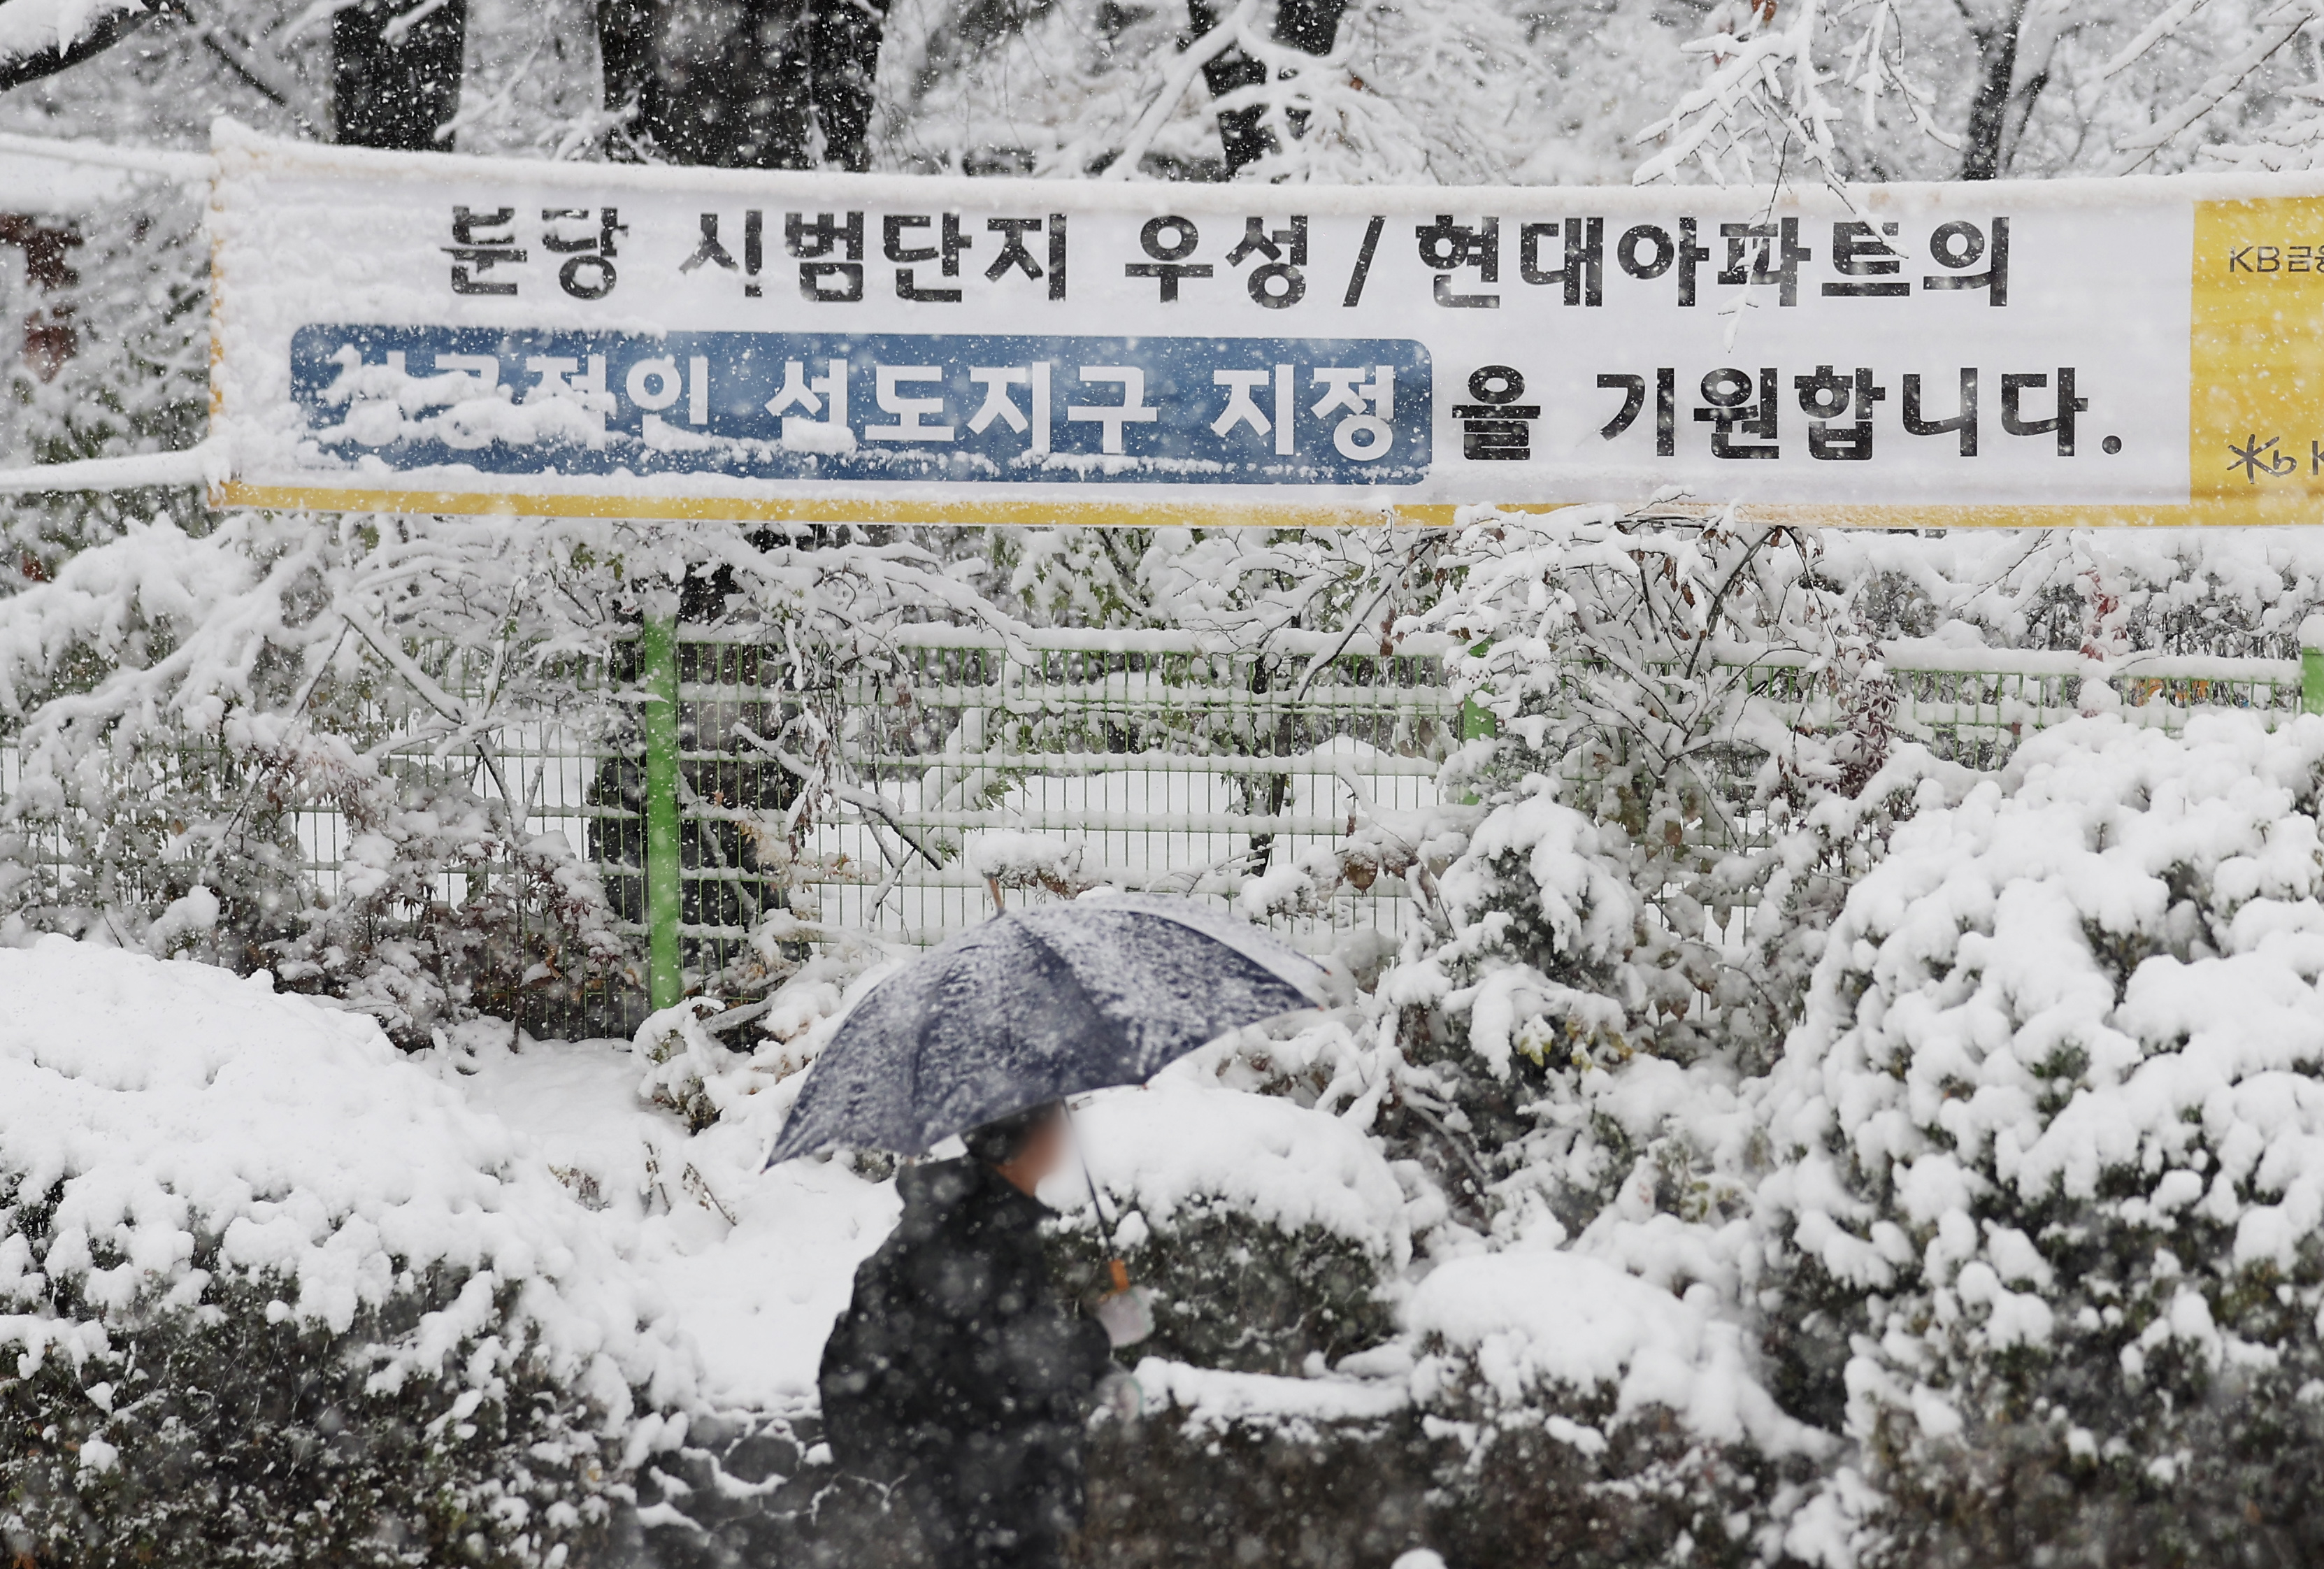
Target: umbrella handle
1115, 1268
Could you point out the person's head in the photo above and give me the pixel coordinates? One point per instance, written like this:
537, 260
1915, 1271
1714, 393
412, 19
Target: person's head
1024, 1146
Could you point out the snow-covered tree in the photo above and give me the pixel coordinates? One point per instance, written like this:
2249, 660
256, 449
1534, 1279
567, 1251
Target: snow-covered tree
2045, 1187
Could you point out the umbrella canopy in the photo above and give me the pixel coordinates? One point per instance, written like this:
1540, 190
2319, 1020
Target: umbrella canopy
1034, 1006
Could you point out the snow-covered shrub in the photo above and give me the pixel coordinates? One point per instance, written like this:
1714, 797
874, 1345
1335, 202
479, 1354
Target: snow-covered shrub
2051, 1158
115, 362
1251, 1468
1543, 925
176, 696
1382, 844
1541, 1407
269, 1292
2177, 591
1694, 760
1669, 682
1241, 583
1029, 861
1600, 1419
228, 1433
704, 1063
533, 934
687, 1071
189, 843
1270, 1233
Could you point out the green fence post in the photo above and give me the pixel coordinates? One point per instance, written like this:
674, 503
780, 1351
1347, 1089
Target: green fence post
2312, 665
1478, 723
657, 668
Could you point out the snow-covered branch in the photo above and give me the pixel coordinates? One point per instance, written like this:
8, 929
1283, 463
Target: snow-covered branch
2274, 29
38, 38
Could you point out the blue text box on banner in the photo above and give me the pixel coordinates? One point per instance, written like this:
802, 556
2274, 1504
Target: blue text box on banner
844, 406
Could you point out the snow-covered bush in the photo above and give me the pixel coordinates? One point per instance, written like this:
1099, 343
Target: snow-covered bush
1678, 686
1029, 861
1672, 685
1541, 1407
1245, 583
1254, 1468
1694, 760
176, 697
1544, 925
2050, 1154
177, 797
115, 362
269, 1292
687, 1071
1271, 1232
1600, 1419
532, 935
2106, 595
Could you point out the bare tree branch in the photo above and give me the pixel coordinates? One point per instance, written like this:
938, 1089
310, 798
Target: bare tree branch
29, 65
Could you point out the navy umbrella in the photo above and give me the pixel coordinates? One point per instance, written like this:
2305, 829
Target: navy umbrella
1034, 1006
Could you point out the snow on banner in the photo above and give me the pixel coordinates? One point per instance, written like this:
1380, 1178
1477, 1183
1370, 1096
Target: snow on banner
424, 333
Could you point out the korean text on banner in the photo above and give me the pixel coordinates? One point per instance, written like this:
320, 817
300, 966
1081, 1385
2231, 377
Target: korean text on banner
423, 332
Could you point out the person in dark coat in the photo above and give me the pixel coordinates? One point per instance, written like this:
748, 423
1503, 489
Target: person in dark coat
956, 1374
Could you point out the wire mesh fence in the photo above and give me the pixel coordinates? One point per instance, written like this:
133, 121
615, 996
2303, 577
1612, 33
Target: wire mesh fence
909, 794
905, 791
1973, 706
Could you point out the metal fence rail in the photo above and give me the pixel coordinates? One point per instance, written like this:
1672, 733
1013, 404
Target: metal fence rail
1973, 705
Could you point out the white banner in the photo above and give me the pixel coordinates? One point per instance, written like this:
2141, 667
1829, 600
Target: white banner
438, 333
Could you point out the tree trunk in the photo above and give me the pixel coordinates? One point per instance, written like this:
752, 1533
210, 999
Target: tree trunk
1989, 114
1311, 26
746, 84
396, 73
847, 38
1308, 25
1231, 71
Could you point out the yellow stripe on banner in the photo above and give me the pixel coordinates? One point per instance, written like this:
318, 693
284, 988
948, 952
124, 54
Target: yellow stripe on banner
2284, 504
2255, 419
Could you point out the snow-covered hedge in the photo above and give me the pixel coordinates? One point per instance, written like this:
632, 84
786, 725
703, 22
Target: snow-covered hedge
271, 1292
1603, 1419
2051, 1156
1957, 1274
1271, 1232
